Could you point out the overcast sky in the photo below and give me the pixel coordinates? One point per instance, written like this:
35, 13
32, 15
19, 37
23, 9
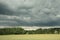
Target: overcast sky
29, 12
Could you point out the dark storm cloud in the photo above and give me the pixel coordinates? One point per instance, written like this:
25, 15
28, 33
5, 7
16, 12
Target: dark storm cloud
30, 12
4, 10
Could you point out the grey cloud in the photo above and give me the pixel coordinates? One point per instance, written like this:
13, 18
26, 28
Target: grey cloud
30, 12
4, 10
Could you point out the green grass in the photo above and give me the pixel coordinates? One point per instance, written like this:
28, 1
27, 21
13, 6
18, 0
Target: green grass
31, 37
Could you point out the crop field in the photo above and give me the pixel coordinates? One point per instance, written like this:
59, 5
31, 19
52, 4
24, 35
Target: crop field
31, 37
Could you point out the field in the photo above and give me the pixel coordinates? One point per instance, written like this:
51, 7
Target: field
31, 37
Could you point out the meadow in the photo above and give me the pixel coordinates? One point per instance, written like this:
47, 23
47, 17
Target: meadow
31, 37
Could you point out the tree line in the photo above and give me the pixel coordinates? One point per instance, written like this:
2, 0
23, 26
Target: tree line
7, 31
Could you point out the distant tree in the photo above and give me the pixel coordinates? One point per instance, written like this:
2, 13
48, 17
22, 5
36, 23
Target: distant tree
12, 31
39, 31
57, 29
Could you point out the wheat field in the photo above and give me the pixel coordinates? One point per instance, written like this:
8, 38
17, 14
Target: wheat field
31, 37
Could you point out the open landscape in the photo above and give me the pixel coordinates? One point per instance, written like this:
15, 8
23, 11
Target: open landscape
29, 19
31, 37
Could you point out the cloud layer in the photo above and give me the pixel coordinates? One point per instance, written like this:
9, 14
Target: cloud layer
29, 12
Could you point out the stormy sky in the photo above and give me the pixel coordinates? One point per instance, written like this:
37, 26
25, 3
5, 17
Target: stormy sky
29, 12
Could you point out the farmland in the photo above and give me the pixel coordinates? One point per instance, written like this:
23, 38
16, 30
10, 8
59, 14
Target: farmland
31, 37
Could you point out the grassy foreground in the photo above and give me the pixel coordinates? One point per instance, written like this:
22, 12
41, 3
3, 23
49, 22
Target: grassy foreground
31, 37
